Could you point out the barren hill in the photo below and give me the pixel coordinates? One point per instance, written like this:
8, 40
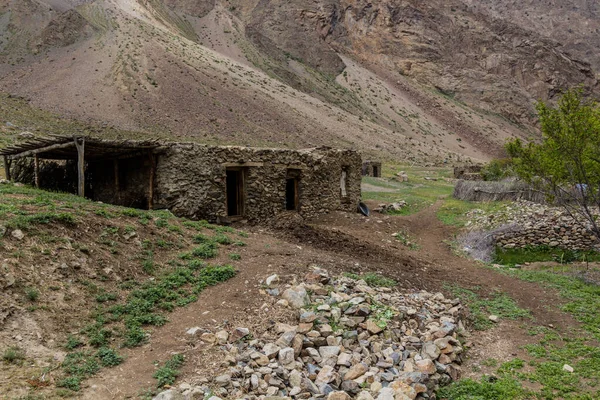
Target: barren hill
419, 82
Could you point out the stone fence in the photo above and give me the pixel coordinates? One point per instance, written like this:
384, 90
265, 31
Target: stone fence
553, 229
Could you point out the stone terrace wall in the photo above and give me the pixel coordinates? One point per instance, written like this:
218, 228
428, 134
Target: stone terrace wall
191, 180
533, 225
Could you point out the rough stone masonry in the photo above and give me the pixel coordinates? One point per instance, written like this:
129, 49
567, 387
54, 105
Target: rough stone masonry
192, 181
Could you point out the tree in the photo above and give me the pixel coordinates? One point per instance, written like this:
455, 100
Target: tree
565, 165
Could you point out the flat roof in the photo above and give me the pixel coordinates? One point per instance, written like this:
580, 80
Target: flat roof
64, 148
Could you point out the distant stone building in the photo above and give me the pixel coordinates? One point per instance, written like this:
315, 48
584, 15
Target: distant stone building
468, 172
216, 183
371, 168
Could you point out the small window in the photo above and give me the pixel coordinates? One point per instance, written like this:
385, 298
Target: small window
375, 171
343, 179
292, 192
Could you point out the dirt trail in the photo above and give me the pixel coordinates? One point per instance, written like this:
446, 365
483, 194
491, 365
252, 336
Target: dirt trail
338, 242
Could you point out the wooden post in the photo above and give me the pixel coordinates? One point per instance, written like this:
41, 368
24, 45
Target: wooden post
151, 182
116, 169
7, 163
80, 144
36, 170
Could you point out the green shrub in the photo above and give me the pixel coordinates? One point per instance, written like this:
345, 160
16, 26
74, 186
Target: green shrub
73, 342
167, 374
235, 256
135, 336
108, 357
497, 170
206, 250
70, 382
32, 294
222, 239
13, 355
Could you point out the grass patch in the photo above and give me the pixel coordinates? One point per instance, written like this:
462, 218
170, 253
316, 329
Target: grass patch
373, 279
168, 373
541, 254
583, 299
549, 351
488, 388
13, 355
418, 192
453, 211
498, 303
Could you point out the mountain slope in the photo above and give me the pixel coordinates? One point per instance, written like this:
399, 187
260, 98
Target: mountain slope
395, 79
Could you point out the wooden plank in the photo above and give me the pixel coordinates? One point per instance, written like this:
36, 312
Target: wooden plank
36, 171
246, 164
151, 182
30, 153
80, 144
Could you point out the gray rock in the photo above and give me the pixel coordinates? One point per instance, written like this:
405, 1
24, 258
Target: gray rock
17, 234
223, 380
272, 280
296, 297
286, 356
170, 394
271, 349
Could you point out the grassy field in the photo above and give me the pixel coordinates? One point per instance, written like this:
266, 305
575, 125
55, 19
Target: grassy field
549, 350
425, 186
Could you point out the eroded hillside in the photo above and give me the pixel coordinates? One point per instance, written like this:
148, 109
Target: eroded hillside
421, 82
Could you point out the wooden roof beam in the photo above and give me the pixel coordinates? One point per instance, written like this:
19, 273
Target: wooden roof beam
30, 153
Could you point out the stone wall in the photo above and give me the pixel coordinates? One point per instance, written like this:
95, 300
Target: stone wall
527, 224
191, 180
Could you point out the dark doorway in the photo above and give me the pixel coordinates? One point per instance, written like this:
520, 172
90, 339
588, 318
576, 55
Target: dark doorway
292, 190
235, 192
375, 171
291, 194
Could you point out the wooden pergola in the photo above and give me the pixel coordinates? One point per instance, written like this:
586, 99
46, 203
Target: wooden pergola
82, 148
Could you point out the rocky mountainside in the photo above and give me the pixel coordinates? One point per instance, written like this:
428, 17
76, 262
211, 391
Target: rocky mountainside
436, 81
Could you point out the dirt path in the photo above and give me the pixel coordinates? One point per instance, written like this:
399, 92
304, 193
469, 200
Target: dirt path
339, 242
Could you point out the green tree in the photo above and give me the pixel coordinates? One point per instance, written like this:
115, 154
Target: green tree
565, 165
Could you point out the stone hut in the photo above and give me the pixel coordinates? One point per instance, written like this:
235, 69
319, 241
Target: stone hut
217, 183
371, 168
468, 172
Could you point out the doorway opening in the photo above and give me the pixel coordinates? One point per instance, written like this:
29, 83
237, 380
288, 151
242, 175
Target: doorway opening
376, 171
292, 192
235, 192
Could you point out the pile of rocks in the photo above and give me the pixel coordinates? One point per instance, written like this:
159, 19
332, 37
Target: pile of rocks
348, 340
532, 225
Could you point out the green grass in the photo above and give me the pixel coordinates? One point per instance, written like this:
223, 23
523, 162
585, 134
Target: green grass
168, 373
418, 192
13, 355
453, 211
549, 349
120, 316
582, 299
541, 254
32, 294
497, 303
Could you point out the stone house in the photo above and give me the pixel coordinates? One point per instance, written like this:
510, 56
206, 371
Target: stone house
217, 183
371, 168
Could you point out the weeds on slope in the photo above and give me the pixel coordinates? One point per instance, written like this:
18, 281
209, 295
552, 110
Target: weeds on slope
552, 355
